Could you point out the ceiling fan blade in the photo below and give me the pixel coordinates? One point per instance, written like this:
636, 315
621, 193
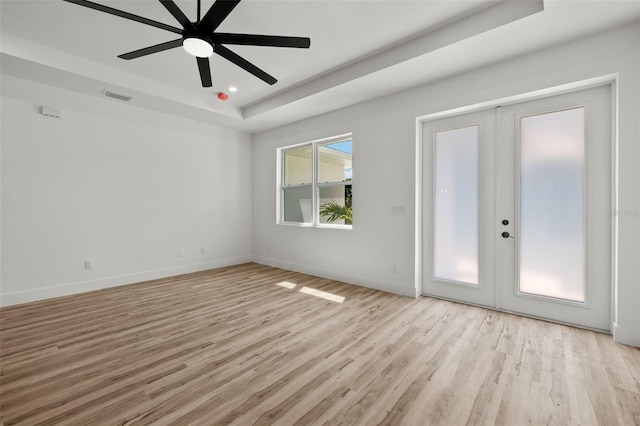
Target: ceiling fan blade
152, 49
205, 71
126, 15
218, 12
262, 40
177, 13
243, 63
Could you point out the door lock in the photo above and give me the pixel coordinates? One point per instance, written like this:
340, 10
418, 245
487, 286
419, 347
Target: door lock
506, 235
505, 222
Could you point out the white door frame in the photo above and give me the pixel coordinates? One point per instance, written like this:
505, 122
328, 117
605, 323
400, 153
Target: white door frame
552, 91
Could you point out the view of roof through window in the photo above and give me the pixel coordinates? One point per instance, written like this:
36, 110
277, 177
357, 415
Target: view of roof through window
341, 148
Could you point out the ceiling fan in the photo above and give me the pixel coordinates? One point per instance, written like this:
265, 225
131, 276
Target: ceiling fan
200, 39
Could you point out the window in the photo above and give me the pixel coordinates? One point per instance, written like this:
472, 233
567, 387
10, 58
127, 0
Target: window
316, 183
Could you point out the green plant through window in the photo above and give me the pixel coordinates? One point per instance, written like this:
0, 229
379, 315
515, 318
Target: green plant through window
334, 211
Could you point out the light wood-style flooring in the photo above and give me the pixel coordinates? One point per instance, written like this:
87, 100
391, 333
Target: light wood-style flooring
236, 345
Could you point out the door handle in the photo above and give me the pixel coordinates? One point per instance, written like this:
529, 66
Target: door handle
506, 235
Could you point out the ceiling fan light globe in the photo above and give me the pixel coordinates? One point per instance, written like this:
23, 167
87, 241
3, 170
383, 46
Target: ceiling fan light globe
197, 47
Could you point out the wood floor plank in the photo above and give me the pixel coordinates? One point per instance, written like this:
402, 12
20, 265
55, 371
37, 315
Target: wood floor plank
244, 345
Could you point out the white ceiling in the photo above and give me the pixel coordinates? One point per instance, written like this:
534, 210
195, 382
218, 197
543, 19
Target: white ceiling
360, 49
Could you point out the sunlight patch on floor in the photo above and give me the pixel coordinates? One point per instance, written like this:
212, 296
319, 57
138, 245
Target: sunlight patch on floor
286, 284
313, 292
323, 294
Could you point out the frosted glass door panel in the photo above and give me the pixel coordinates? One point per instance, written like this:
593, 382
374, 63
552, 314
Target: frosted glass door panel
552, 199
456, 190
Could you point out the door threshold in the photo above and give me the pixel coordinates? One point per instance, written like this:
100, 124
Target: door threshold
493, 308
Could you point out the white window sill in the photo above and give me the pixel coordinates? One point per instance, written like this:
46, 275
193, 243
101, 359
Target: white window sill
321, 226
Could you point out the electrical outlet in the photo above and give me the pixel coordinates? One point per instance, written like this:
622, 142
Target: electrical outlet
399, 210
180, 253
88, 264
394, 269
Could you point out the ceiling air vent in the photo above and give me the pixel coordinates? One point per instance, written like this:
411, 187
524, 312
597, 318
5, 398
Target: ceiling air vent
117, 96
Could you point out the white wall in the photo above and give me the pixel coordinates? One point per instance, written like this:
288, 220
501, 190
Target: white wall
384, 133
123, 186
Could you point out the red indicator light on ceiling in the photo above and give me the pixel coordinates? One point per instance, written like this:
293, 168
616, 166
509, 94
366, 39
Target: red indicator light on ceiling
223, 96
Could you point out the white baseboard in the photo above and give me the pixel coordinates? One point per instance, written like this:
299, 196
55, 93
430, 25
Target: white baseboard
114, 281
626, 335
336, 275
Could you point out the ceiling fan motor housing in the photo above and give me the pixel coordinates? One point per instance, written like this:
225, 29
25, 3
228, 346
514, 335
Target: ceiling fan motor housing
201, 47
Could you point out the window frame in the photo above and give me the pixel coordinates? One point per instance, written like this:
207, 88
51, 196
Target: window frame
315, 184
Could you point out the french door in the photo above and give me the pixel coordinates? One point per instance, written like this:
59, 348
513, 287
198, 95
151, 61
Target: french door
514, 208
